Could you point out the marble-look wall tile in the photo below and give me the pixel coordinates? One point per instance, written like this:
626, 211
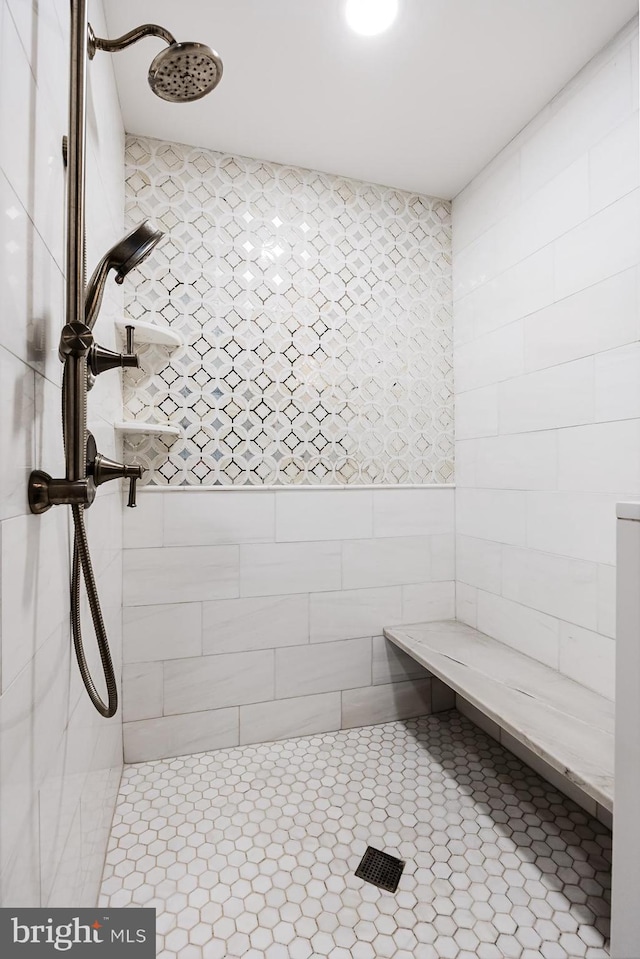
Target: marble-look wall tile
32, 605
443, 557
586, 111
589, 658
213, 682
180, 574
46, 753
392, 665
467, 604
307, 291
323, 514
179, 735
383, 704
57, 807
520, 627
562, 587
386, 562
546, 267
576, 523
17, 439
349, 613
477, 413
283, 718
517, 461
572, 327
165, 631
428, 601
600, 457
297, 630
606, 244
255, 622
144, 526
142, 691
620, 150
194, 519
321, 668
492, 515
96, 818
479, 563
289, 568
412, 512
21, 872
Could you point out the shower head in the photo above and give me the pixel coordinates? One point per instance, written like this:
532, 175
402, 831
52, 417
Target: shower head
122, 257
133, 249
184, 72
179, 74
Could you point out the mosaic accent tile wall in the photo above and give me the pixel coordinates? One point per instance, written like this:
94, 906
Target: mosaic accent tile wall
316, 315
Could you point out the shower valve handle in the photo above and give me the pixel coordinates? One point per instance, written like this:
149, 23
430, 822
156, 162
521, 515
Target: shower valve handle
105, 469
101, 359
131, 502
129, 331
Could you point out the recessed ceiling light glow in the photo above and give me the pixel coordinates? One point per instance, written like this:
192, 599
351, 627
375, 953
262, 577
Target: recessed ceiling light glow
369, 17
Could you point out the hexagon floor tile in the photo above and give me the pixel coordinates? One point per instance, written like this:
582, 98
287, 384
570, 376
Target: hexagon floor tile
251, 852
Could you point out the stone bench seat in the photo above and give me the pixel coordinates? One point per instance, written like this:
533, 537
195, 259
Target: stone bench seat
567, 725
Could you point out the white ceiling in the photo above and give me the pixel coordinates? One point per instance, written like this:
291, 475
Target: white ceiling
422, 107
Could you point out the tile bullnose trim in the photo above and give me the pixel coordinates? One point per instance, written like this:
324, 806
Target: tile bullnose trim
293, 489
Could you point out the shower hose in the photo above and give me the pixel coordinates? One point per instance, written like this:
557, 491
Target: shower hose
82, 560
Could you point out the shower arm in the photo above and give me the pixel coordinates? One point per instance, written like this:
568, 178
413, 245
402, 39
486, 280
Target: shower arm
121, 43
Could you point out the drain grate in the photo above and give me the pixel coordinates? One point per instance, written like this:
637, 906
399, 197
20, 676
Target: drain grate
380, 869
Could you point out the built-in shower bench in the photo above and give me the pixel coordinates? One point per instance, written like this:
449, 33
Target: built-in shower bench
567, 725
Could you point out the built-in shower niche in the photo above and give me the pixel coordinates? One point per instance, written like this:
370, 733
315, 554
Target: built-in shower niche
156, 343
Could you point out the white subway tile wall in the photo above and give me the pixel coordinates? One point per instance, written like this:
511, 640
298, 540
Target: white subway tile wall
546, 245
294, 645
317, 327
60, 761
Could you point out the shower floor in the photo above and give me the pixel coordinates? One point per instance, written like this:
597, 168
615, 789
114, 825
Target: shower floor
251, 851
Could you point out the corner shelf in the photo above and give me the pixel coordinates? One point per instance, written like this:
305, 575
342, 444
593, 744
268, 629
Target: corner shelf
156, 429
152, 333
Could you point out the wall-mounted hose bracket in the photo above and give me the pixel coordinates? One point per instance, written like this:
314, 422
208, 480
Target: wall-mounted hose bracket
44, 492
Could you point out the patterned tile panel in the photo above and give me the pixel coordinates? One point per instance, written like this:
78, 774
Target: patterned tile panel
317, 318
251, 852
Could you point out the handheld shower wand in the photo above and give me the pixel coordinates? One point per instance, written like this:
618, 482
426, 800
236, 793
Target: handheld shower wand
123, 257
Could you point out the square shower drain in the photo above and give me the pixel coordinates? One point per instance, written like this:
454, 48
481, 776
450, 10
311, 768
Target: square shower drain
380, 869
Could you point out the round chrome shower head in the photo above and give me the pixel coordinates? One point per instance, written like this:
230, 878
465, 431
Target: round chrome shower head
184, 72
